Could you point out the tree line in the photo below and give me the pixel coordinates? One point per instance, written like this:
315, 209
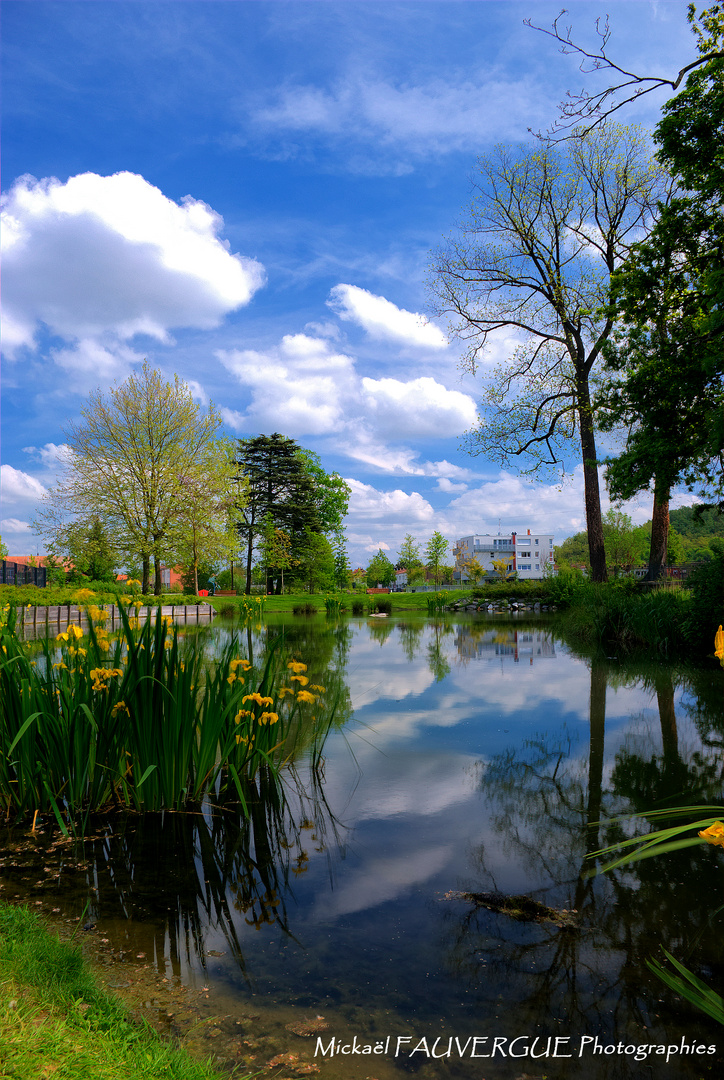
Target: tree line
695, 536
604, 265
148, 483
382, 571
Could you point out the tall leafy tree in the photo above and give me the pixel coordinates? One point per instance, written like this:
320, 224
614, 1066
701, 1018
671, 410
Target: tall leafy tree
380, 571
665, 373
278, 490
435, 554
408, 557
132, 455
211, 497
544, 232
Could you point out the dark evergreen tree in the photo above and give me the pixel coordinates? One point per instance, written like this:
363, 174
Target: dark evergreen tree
280, 491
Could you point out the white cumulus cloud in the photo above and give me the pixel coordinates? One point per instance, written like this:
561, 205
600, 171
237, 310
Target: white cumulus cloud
112, 255
18, 486
419, 407
384, 320
300, 387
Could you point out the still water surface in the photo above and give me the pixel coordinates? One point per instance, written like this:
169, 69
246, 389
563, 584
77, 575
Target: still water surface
471, 755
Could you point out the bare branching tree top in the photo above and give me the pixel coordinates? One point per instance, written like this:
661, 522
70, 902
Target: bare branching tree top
585, 110
529, 269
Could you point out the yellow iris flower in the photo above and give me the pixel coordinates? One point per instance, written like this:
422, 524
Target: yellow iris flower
714, 834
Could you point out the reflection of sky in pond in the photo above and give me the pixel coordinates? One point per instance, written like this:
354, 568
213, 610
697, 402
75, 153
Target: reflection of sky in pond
404, 780
470, 764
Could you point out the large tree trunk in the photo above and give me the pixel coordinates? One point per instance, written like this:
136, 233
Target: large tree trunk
594, 522
659, 530
249, 554
157, 586
146, 574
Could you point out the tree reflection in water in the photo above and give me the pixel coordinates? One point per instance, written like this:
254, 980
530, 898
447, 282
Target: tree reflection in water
553, 809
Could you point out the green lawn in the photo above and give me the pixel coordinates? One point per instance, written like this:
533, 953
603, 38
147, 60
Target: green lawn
400, 601
56, 1021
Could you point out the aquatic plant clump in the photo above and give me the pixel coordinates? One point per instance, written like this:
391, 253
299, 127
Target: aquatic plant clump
436, 603
144, 720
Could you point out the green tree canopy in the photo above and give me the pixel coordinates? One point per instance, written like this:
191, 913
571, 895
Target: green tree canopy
436, 551
665, 373
408, 557
133, 454
288, 489
380, 571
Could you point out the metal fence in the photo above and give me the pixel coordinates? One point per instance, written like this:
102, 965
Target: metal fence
15, 573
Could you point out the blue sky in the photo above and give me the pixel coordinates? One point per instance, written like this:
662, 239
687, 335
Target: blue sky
247, 193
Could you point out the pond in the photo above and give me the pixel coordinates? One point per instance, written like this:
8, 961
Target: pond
369, 924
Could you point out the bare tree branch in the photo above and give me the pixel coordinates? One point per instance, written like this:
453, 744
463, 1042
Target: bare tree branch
585, 110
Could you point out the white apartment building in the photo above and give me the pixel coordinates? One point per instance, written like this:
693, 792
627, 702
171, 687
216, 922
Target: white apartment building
530, 555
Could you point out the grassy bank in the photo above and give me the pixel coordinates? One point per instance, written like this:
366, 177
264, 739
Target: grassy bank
399, 601
55, 1019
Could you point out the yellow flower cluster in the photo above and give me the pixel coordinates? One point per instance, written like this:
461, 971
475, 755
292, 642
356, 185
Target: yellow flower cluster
719, 645
256, 696
301, 679
305, 696
296, 666
714, 834
84, 594
73, 632
102, 676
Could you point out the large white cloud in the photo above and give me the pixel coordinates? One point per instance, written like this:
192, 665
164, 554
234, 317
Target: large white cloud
306, 385
301, 387
380, 519
20, 493
384, 320
418, 408
18, 486
113, 256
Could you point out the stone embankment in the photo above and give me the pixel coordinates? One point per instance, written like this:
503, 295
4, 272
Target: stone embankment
502, 606
45, 621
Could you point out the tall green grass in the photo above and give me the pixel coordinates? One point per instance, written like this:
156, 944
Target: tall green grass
622, 615
145, 720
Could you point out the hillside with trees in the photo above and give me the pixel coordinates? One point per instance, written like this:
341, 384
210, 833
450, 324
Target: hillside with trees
690, 532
